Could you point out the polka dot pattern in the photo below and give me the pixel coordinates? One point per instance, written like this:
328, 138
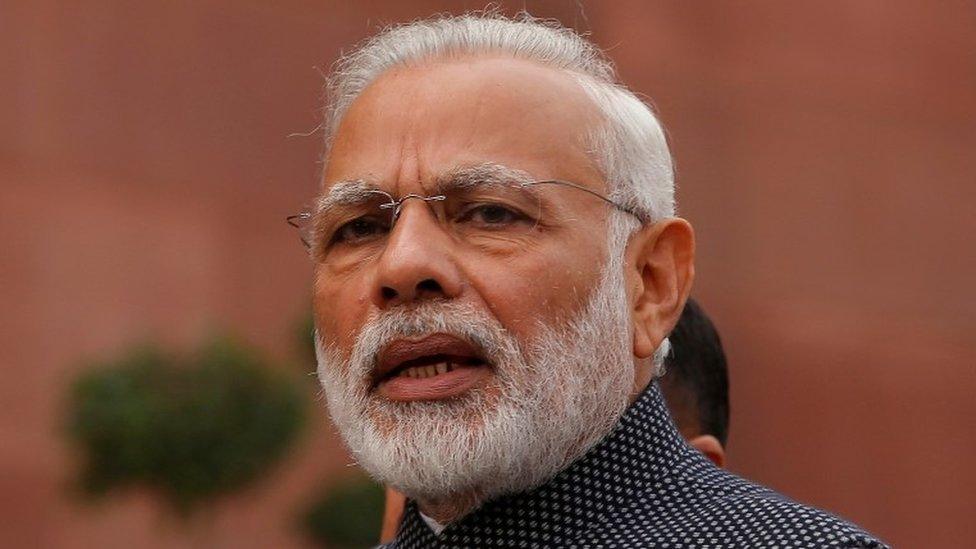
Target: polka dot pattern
641, 486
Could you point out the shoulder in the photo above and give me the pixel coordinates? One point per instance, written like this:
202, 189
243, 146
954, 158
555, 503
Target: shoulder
722, 510
765, 518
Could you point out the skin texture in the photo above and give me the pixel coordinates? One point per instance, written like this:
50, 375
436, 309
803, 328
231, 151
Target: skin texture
413, 125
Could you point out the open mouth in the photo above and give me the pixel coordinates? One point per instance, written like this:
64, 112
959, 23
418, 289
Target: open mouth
434, 367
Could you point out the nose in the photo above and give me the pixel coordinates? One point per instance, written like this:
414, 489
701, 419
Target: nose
417, 263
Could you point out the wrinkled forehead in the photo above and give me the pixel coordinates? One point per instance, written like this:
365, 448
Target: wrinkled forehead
414, 126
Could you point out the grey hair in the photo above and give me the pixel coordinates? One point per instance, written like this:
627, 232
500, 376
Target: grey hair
629, 146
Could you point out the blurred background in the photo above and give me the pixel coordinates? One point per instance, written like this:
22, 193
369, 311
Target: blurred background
825, 155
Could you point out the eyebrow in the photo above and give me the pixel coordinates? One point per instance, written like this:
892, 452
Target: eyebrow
357, 191
349, 192
485, 174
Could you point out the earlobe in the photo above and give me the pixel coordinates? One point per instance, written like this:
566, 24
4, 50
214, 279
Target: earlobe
644, 345
661, 263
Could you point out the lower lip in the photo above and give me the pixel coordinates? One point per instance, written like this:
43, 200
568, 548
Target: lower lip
442, 386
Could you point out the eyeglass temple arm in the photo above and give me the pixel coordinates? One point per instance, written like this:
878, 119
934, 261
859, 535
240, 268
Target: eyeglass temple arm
620, 207
291, 219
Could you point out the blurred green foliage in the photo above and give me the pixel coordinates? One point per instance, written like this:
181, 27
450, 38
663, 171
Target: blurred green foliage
346, 515
191, 428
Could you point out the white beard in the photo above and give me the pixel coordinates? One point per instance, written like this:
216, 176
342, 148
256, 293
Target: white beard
547, 403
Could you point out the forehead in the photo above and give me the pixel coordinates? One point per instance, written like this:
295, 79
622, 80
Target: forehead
415, 123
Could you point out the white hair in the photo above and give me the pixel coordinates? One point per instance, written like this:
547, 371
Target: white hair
629, 146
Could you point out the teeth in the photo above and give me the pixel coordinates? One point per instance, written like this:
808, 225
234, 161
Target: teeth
423, 372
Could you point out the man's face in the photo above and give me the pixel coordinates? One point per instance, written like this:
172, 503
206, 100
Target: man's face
504, 308
411, 127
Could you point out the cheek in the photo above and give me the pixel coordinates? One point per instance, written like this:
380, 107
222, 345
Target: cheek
340, 310
549, 287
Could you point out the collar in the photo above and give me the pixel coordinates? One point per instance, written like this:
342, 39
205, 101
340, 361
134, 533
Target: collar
643, 449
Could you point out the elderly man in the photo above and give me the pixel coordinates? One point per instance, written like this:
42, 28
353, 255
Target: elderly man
497, 267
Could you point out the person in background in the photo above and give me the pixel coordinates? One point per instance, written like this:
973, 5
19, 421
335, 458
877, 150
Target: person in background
695, 383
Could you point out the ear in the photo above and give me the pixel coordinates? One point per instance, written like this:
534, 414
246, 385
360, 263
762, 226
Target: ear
660, 270
711, 447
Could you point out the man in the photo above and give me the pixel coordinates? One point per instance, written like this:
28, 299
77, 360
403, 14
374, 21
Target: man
695, 387
497, 265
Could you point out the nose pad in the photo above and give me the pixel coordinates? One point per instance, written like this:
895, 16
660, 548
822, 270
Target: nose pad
396, 206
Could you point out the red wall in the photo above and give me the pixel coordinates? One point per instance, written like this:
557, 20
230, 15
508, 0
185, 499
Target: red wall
824, 155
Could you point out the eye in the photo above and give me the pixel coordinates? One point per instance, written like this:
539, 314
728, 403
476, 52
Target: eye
491, 215
360, 230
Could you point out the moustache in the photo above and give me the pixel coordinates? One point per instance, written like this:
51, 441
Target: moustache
483, 335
